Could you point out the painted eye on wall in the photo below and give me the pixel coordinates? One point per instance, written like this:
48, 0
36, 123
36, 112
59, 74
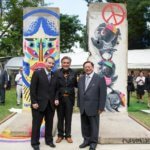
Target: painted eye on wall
49, 52
38, 44
49, 45
43, 45
31, 44
103, 32
32, 52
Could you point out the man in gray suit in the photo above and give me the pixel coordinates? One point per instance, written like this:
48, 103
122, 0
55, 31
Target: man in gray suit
91, 101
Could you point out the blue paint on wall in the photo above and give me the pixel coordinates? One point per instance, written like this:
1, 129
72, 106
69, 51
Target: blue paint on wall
48, 27
41, 11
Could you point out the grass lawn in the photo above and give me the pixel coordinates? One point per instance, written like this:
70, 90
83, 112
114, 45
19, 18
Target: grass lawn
10, 102
135, 110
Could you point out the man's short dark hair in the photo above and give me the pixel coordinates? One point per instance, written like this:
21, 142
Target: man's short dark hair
66, 57
49, 57
89, 63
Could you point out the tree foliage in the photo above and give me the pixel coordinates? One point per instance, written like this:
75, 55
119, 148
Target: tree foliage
69, 32
138, 18
11, 27
84, 38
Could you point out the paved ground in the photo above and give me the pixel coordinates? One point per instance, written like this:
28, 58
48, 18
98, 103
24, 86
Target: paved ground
76, 135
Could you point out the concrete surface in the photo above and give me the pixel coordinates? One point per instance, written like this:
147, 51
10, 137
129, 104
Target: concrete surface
77, 138
119, 128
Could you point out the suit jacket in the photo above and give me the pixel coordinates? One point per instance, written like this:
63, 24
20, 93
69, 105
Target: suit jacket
68, 85
3, 78
147, 83
42, 91
94, 98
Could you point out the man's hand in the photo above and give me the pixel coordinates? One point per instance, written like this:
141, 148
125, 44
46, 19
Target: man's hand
35, 106
5, 85
100, 111
56, 102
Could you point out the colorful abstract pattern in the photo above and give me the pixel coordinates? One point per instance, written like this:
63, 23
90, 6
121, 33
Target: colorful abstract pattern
105, 39
40, 40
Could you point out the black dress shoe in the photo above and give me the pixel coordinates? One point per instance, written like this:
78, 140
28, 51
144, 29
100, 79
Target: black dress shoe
84, 144
92, 146
36, 147
51, 144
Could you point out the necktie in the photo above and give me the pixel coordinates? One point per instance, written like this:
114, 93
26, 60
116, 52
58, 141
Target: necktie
49, 76
87, 81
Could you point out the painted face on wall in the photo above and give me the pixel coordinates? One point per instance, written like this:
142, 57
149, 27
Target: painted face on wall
114, 100
107, 68
105, 36
37, 50
40, 40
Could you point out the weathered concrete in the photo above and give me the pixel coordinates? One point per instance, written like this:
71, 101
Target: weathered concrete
40, 35
119, 128
114, 128
21, 126
107, 20
100, 46
77, 138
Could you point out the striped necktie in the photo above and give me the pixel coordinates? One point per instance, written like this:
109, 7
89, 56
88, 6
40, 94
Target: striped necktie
87, 81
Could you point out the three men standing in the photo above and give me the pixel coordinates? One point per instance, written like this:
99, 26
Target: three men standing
48, 89
43, 94
91, 101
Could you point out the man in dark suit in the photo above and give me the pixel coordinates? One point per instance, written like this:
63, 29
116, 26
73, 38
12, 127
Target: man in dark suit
91, 101
3, 85
67, 81
43, 94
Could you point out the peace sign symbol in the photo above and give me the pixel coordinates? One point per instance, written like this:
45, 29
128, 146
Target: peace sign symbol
115, 17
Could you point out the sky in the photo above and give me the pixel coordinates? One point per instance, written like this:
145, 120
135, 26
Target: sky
71, 7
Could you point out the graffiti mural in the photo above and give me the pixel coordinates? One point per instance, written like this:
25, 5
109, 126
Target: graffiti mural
105, 39
40, 40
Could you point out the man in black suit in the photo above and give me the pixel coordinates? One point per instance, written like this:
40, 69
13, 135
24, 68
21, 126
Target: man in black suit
3, 85
91, 101
67, 81
43, 94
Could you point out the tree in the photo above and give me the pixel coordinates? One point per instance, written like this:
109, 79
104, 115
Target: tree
69, 31
84, 38
139, 31
11, 26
